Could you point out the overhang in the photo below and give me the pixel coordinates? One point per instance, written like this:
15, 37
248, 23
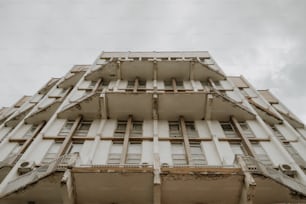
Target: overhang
88, 106
223, 107
114, 187
166, 69
48, 86
267, 115
121, 105
19, 116
289, 117
71, 79
47, 190
44, 113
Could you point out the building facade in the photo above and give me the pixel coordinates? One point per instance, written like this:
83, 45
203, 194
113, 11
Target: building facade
151, 128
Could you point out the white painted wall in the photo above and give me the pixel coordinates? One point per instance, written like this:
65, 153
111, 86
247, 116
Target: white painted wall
165, 152
147, 128
101, 153
211, 153
85, 152
6, 149
21, 131
36, 153
122, 84
286, 132
163, 129
147, 152
302, 132
93, 130
109, 128
202, 129
257, 129
216, 129
275, 155
55, 127
227, 153
4, 131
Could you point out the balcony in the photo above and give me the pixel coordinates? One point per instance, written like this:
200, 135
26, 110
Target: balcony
167, 105
25, 180
269, 181
180, 65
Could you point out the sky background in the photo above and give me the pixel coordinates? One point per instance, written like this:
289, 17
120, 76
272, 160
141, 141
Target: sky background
264, 40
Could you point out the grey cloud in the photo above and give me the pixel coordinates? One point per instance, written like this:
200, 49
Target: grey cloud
263, 40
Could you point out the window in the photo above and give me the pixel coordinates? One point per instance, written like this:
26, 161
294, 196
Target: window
31, 131
237, 149
191, 130
134, 153
178, 154
83, 128
120, 129
218, 85
246, 130
136, 130
205, 84
295, 155
174, 129
66, 128
114, 155
141, 84
261, 154
228, 130
92, 84
76, 147
104, 84
51, 154
278, 135
180, 85
168, 85
130, 85
197, 155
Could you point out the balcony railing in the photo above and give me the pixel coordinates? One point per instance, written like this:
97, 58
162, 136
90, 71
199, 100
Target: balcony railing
256, 167
58, 164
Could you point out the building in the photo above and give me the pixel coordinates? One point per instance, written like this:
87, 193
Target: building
151, 128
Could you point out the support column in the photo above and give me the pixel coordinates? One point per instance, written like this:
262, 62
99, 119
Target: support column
156, 165
67, 140
97, 85
208, 106
245, 141
119, 69
155, 76
174, 85
249, 185
29, 141
136, 84
96, 142
68, 188
126, 141
186, 140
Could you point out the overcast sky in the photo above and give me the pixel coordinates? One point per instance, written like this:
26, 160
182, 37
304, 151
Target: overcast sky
264, 40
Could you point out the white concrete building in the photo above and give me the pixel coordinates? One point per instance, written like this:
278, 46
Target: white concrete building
151, 128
